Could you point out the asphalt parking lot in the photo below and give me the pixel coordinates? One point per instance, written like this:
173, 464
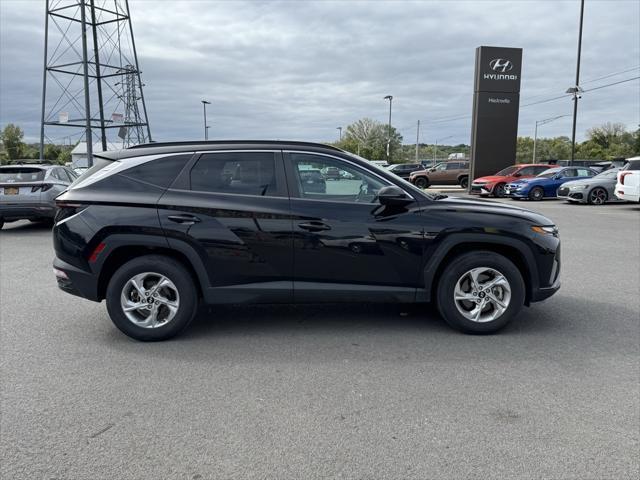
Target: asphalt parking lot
354, 391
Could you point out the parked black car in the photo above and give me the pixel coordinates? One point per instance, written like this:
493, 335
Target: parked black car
154, 229
403, 170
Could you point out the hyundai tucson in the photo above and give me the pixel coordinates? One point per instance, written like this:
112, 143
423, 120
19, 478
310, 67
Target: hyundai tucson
156, 229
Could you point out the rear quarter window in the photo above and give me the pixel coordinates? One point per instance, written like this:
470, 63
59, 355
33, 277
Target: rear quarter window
161, 172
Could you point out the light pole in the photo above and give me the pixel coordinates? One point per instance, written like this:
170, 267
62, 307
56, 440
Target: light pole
435, 151
576, 90
535, 135
339, 133
390, 98
206, 129
417, 140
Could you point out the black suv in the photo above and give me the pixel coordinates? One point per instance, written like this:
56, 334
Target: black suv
156, 228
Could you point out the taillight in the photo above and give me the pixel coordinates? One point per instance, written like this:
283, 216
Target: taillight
67, 209
622, 175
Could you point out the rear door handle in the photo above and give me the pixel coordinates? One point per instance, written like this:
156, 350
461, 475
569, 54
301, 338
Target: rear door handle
314, 226
184, 219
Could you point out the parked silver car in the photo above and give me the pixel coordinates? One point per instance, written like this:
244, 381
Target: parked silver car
27, 191
595, 190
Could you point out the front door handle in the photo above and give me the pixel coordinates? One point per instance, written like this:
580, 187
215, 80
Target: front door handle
184, 219
314, 226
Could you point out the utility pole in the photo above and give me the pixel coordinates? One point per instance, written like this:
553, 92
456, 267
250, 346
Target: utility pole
576, 90
340, 133
87, 101
390, 98
417, 140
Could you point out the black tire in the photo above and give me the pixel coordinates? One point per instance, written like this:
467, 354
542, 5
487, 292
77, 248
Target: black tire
176, 273
536, 194
421, 182
464, 182
597, 196
464, 263
498, 190
1, 223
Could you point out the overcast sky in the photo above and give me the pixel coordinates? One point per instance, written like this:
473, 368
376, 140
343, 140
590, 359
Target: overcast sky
298, 70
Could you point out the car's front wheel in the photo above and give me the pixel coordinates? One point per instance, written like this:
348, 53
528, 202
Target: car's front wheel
499, 190
598, 196
480, 292
152, 298
464, 182
536, 193
421, 182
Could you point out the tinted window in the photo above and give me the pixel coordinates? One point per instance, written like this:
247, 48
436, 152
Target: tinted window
632, 165
583, 172
354, 185
539, 170
526, 171
453, 166
247, 173
98, 164
21, 174
569, 172
59, 174
507, 171
161, 172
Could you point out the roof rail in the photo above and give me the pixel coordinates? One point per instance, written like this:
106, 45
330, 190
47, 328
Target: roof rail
227, 142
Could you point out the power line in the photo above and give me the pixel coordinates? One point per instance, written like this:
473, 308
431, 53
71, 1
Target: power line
610, 84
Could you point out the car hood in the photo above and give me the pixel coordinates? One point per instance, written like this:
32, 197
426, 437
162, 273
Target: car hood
496, 208
490, 179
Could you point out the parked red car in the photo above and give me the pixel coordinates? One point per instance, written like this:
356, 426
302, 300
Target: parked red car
493, 185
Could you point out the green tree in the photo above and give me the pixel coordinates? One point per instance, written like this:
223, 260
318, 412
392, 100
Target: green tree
64, 156
11, 138
369, 137
51, 151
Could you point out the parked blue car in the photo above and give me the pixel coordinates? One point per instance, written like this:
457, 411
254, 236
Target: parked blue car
547, 183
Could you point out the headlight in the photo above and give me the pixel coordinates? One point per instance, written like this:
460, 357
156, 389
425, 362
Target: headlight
546, 229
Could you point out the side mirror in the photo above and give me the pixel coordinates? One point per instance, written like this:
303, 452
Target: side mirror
393, 196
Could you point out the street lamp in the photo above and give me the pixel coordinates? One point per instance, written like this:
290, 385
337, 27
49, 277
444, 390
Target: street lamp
435, 151
535, 136
390, 98
340, 133
206, 129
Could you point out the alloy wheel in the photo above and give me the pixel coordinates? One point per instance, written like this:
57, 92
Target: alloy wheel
597, 196
482, 294
498, 191
150, 300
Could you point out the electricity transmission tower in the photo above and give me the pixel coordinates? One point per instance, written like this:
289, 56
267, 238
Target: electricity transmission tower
91, 78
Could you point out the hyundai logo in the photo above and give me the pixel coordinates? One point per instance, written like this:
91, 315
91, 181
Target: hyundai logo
501, 65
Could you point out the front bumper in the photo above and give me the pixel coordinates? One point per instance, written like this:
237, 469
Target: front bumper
572, 195
27, 211
479, 189
76, 281
519, 193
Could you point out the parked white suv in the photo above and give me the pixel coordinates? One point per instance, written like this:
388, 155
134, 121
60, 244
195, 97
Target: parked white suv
628, 186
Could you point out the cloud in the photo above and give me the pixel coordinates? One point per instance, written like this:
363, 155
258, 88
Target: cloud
298, 70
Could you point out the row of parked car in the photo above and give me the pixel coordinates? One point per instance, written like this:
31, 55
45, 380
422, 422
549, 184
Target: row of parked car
595, 184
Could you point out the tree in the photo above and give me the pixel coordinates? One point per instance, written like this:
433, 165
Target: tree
368, 138
51, 151
12, 143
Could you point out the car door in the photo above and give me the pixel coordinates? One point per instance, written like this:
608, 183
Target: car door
437, 174
232, 209
347, 246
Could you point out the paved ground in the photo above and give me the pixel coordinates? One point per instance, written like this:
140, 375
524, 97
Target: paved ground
336, 392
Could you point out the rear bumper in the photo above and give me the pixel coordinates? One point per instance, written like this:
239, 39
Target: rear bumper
9, 212
77, 282
627, 194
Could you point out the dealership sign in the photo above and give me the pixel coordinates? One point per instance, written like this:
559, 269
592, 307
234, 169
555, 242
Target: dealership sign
496, 101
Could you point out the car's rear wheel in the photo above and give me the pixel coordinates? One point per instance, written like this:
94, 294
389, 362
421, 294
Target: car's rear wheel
598, 196
498, 190
464, 182
421, 182
152, 298
480, 292
536, 193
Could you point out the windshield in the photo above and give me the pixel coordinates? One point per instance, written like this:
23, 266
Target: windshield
21, 174
550, 173
506, 172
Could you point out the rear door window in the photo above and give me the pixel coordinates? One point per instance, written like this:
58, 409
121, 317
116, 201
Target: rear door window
161, 172
243, 173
